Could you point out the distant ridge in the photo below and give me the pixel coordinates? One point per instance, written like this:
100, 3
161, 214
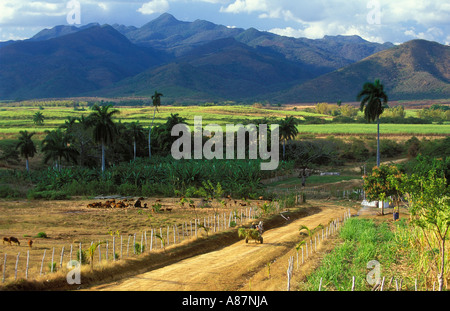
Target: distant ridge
201, 61
417, 69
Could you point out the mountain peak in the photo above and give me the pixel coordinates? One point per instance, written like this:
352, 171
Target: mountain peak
164, 20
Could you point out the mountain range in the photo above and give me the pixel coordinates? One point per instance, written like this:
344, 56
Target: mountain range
200, 61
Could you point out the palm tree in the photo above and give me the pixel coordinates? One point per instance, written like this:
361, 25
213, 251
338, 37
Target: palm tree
373, 102
26, 146
38, 118
288, 131
104, 128
136, 131
56, 146
156, 101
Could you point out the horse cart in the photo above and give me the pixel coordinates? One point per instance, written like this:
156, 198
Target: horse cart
253, 233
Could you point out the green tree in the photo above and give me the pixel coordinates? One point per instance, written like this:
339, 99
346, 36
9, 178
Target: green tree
26, 146
136, 131
430, 210
156, 101
56, 146
38, 118
288, 131
373, 102
104, 128
384, 182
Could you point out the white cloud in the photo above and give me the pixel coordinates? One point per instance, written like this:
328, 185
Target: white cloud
154, 6
246, 6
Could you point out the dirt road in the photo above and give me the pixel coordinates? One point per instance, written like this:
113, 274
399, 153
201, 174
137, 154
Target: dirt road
226, 269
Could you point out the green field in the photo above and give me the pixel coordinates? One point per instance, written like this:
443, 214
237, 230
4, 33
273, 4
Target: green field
400, 129
15, 119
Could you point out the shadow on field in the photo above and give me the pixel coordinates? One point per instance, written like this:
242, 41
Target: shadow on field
155, 260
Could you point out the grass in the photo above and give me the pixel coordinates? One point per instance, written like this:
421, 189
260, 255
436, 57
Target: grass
400, 129
15, 119
399, 248
312, 180
362, 241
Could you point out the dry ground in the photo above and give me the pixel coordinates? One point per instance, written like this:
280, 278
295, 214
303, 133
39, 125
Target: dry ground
239, 266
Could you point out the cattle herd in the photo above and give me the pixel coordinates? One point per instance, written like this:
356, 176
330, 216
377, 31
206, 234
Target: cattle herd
119, 204
12, 239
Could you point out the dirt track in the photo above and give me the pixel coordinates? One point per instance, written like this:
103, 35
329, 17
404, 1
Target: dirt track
229, 268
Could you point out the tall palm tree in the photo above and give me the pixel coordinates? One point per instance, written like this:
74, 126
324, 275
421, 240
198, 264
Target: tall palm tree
56, 146
288, 131
156, 101
38, 118
104, 128
26, 147
373, 102
136, 131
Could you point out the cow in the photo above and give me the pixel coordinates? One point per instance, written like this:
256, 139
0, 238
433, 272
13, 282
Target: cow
15, 240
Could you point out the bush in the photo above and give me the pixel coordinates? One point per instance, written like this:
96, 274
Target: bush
47, 195
41, 235
7, 192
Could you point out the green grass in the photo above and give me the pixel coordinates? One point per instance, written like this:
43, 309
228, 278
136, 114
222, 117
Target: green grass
400, 129
15, 119
312, 180
363, 241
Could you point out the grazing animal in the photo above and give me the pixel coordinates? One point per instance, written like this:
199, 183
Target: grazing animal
169, 209
15, 240
5, 239
30, 243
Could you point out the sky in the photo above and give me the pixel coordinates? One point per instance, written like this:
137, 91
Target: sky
395, 21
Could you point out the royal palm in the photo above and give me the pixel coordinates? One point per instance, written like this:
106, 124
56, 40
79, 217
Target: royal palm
56, 146
104, 128
156, 101
373, 102
288, 131
26, 146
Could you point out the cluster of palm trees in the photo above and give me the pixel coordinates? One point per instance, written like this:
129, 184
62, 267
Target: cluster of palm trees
58, 145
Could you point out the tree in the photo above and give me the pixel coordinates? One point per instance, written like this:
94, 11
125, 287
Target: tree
384, 182
103, 125
429, 199
26, 146
156, 101
38, 118
136, 131
288, 131
373, 102
56, 146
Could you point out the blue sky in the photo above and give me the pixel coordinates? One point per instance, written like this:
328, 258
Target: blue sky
395, 21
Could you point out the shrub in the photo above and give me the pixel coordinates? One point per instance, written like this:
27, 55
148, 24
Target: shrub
47, 195
41, 235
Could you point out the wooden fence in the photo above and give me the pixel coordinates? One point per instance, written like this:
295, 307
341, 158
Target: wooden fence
118, 247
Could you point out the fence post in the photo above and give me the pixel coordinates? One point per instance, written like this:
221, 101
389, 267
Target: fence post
4, 270
151, 239
99, 252
121, 248
17, 264
114, 248
289, 272
28, 261
42, 263
62, 256
53, 255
